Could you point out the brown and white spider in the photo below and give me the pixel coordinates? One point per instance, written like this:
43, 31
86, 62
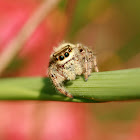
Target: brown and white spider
69, 60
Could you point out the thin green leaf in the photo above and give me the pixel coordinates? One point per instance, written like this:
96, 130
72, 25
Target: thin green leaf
100, 87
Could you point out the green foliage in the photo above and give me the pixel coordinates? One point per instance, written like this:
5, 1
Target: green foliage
131, 49
100, 87
62, 4
86, 12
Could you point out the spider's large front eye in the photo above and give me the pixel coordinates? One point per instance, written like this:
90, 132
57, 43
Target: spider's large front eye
61, 57
66, 54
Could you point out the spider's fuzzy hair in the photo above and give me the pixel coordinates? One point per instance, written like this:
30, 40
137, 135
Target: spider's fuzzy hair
61, 45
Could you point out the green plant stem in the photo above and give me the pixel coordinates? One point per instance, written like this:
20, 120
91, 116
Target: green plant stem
100, 87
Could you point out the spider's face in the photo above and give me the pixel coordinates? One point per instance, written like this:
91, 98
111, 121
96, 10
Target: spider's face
64, 54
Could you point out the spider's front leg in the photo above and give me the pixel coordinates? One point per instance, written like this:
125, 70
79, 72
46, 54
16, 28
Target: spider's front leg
57, 80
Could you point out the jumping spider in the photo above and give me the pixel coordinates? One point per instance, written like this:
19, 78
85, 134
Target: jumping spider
70, 60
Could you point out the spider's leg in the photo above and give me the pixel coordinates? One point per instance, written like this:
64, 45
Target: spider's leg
89, 60
84, 56
95, 64
86, 65
92, 63
57, 79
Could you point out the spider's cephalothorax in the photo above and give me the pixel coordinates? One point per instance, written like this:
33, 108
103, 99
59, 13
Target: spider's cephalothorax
69, 60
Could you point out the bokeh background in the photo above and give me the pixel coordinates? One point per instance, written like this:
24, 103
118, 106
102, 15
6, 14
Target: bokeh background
111, 28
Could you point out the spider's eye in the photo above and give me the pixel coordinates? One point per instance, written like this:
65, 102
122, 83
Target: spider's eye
66, 54
61, 57
81, 50
56, 58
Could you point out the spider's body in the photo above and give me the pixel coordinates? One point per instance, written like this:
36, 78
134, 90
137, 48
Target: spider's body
70, 60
